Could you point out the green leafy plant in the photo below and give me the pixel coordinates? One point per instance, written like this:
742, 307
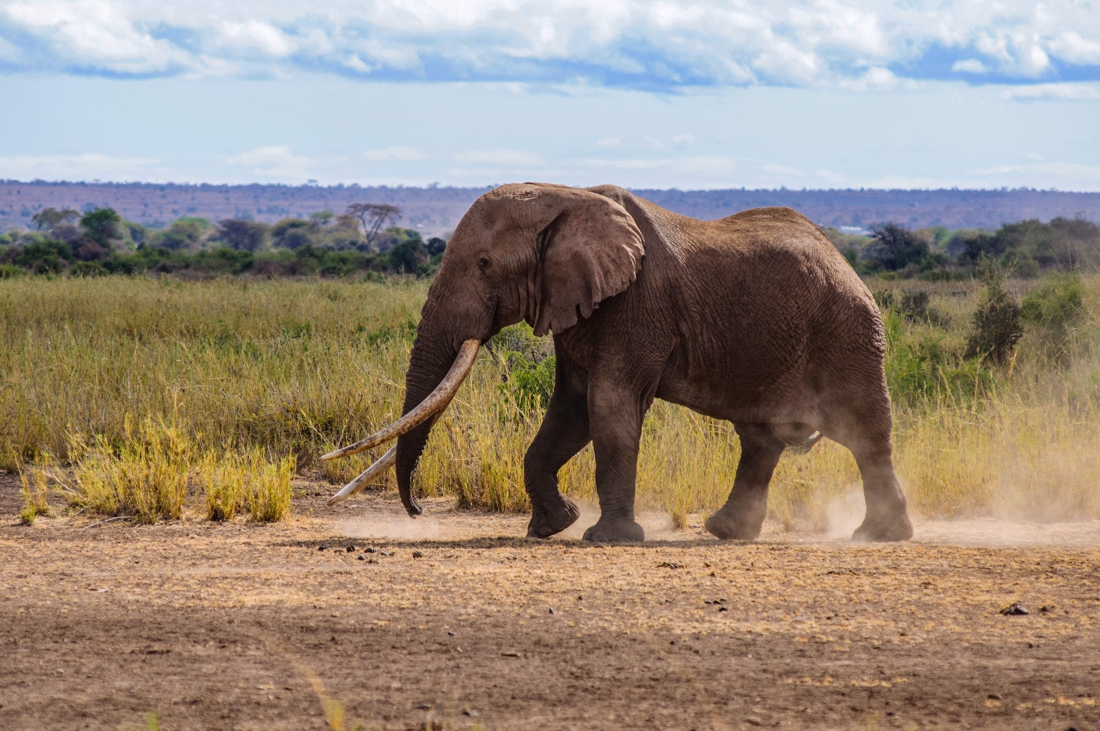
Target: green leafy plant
997, 327
1056, 307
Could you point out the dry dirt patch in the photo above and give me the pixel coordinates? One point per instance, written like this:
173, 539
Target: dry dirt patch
225, 626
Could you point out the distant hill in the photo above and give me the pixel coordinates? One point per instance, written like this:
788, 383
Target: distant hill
435, 210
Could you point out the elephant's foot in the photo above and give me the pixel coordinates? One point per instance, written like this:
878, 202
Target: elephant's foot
615, 531
895, 527
731, 523
547, 520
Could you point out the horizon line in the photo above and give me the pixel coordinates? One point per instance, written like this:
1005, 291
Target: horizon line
447, 186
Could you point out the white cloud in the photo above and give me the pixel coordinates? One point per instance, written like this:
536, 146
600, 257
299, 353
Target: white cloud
78, 167
703, 166
274, 161
784, 171
404, 154
257, 36
501, 158
875, 79
684, 139
1070, 91
1065, 175
969, 66
1071, 46
624, 164
651, 44
355, 63
830, 176
96, 34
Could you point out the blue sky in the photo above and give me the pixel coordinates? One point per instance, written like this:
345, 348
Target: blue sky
644, 93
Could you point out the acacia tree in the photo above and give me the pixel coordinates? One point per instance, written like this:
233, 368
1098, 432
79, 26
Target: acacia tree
241, 234
47, 218
373, 216
894, 247
101, 225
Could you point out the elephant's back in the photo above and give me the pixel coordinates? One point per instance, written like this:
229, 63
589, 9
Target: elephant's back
781, 311
785, 251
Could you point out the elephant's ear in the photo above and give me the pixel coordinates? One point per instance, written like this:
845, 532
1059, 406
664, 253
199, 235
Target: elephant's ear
591, 250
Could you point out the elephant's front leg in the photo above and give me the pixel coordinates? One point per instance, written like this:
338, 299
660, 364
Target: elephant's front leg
742, 516
616, 424
563, 433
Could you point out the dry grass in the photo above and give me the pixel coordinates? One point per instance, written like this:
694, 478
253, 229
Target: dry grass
34, 489
232, 483
292, 368
145, 476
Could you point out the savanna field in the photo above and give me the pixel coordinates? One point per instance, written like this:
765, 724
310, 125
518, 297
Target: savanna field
172, 563
251, 372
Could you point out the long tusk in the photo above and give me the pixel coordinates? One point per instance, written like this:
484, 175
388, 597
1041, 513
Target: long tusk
375, 470
436, 401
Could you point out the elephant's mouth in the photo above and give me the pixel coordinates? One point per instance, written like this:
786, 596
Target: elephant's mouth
435, 403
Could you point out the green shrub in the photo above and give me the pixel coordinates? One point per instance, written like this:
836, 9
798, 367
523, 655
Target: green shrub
997, 327
530, 383
1056, 306
43, 257
529, 367
921, 370
88, 269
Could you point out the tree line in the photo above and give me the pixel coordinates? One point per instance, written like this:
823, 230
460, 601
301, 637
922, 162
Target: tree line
364, 238
1026, 249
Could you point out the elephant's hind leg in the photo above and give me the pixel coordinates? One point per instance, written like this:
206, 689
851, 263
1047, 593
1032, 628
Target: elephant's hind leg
865, 429
563, 433
742, 517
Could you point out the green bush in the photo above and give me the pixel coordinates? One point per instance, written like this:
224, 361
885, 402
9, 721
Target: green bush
42, 257
88, 269
920, 369
529, 362
1056, 306
997, 327
530, 384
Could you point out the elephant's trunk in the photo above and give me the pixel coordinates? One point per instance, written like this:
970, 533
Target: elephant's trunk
434, 367
426, 375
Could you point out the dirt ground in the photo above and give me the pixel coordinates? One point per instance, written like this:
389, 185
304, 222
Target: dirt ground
457, 619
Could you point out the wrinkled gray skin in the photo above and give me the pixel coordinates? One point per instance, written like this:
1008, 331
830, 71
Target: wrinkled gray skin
755, 318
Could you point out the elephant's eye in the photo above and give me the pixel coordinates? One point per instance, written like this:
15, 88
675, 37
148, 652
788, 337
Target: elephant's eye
483, 263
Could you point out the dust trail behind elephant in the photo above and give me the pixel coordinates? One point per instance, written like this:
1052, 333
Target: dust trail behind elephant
844, 513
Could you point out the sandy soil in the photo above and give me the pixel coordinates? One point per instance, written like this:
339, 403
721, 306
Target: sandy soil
458, 619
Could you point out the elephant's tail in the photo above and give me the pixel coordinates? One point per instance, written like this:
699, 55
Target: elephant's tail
806, 446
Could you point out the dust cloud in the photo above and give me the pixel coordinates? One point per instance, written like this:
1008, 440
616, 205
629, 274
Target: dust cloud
658, 525
396, 528
842, 516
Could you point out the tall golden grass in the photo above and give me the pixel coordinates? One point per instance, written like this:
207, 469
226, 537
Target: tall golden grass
292, 368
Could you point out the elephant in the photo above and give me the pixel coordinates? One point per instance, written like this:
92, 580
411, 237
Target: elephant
755, 318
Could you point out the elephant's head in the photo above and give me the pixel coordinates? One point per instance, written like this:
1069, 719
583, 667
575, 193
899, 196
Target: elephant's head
541, 253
